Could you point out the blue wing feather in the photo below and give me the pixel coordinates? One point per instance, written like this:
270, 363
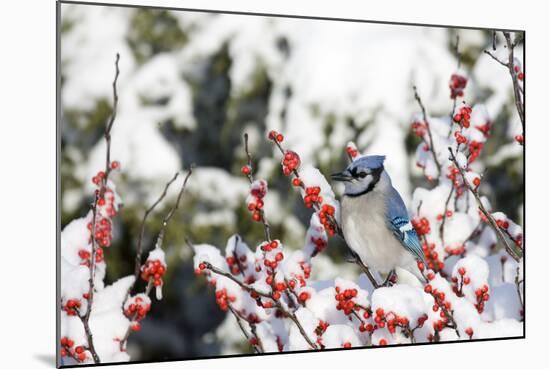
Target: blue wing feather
399, 223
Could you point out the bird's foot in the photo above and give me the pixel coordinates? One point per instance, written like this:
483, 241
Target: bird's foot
390, 280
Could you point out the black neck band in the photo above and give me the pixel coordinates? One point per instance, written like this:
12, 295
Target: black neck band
375, 179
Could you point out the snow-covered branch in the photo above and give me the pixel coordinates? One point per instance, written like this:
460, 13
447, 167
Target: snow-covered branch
96, 320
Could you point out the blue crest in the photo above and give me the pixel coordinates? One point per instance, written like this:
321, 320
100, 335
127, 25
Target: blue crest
371, 162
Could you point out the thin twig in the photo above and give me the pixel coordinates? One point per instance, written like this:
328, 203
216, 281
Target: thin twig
513, 74
518, 90
518, 289
442, 226
239, 317
109, 125
251, 180
243, 285
515, 254
430, 137
495, 58
254, 291
137, 268
99, 193
122, 343
139, 247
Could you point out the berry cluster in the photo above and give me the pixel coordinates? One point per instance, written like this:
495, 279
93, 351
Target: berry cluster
457, 84
463, 116
418, 128
276, 136
460, 281
320, 244
454, 175
518, 71
71, 306
78, 352
432, 257
234, 263
85, 256
441, 305
312, 196
485, 129
459, 137
421, 226
103, 229
482, 296
291, 162
474, 147
153, 270
448, 214
345, 300
136, 308
456, 251
326, 215
223, 299
258, 190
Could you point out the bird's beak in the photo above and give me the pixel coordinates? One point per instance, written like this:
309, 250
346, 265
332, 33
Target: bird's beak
341, 177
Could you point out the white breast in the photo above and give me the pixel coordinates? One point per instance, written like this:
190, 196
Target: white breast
366, 232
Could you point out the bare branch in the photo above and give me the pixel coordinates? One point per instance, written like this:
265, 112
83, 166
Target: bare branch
430, 137
495, 58
442, 226
98, 194
109, 125
139, 247
265, 223
512, 251
518, 90
239, 317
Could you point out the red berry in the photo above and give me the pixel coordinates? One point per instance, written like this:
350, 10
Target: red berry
461, 271
280, 138
245, 170
115, 164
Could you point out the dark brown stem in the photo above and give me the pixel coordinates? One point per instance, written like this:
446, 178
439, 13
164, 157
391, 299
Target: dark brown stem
515, 254
428, 129
518, 289
442, 226
109, 125
139, 247
239, 317
518, 90
251, 180
123, 341
99, 193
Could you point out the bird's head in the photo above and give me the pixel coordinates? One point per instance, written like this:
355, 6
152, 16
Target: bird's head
362, 175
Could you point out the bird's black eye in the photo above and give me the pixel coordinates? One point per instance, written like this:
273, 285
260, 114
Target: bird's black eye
362, 174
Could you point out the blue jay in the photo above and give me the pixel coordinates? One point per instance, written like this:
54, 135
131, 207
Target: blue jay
374, 219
